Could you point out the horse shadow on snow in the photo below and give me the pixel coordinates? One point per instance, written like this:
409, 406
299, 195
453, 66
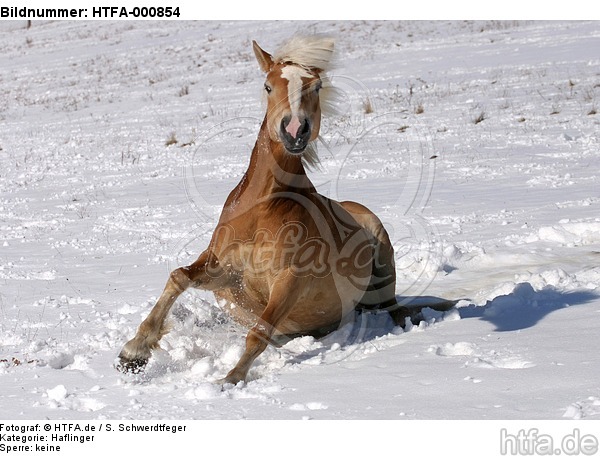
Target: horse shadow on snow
520, 309
525, 307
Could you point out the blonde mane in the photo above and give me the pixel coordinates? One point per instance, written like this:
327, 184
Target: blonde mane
313, 52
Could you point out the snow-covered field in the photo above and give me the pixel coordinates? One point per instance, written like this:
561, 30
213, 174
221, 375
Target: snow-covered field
477, 143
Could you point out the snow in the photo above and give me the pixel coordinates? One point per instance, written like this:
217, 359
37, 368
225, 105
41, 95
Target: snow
479, 150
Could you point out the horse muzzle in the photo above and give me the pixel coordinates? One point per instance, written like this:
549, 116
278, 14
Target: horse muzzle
294, 134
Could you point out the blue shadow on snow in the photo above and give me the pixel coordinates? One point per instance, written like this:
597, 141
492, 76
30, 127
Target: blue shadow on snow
525, 307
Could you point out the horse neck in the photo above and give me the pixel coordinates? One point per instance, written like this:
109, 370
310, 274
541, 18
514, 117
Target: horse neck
273, 175
272, 170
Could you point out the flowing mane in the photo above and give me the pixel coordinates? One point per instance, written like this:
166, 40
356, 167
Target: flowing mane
313, 52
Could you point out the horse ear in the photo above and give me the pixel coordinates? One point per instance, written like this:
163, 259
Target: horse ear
265, 60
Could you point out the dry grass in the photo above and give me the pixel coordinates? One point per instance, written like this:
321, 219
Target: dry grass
171, 140
480, 118
185, 90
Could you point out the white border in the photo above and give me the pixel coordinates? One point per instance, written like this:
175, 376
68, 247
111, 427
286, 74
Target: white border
345, 438
346, 10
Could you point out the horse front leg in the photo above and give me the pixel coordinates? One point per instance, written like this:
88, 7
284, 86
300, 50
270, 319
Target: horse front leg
283, 296
203, 273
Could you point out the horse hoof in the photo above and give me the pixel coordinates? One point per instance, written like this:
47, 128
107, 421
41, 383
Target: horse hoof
230, 381
131, 366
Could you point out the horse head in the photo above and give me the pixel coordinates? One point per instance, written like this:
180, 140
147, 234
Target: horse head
294, 78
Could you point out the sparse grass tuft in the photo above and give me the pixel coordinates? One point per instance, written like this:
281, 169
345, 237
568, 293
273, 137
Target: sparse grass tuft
171, 140
367, 106
129, 157
419, 109
185, 90
480, 118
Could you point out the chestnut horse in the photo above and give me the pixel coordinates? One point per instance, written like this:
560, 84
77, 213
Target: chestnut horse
286, 260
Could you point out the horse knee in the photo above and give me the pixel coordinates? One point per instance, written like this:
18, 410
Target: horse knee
179, 279
206, 273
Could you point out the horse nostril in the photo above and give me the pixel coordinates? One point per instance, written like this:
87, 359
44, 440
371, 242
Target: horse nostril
305, 127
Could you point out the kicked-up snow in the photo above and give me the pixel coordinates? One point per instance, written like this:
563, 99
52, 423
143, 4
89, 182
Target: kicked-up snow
477, 144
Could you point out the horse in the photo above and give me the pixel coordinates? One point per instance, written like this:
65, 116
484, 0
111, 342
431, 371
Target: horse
285, 260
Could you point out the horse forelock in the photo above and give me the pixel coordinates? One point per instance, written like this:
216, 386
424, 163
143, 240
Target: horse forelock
313, 52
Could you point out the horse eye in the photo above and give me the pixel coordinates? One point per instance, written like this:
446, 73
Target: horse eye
318, 86
268, 89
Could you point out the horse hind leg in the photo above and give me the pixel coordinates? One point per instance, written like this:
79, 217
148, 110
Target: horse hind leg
380, 295
414, 311
135, 354
381, 291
